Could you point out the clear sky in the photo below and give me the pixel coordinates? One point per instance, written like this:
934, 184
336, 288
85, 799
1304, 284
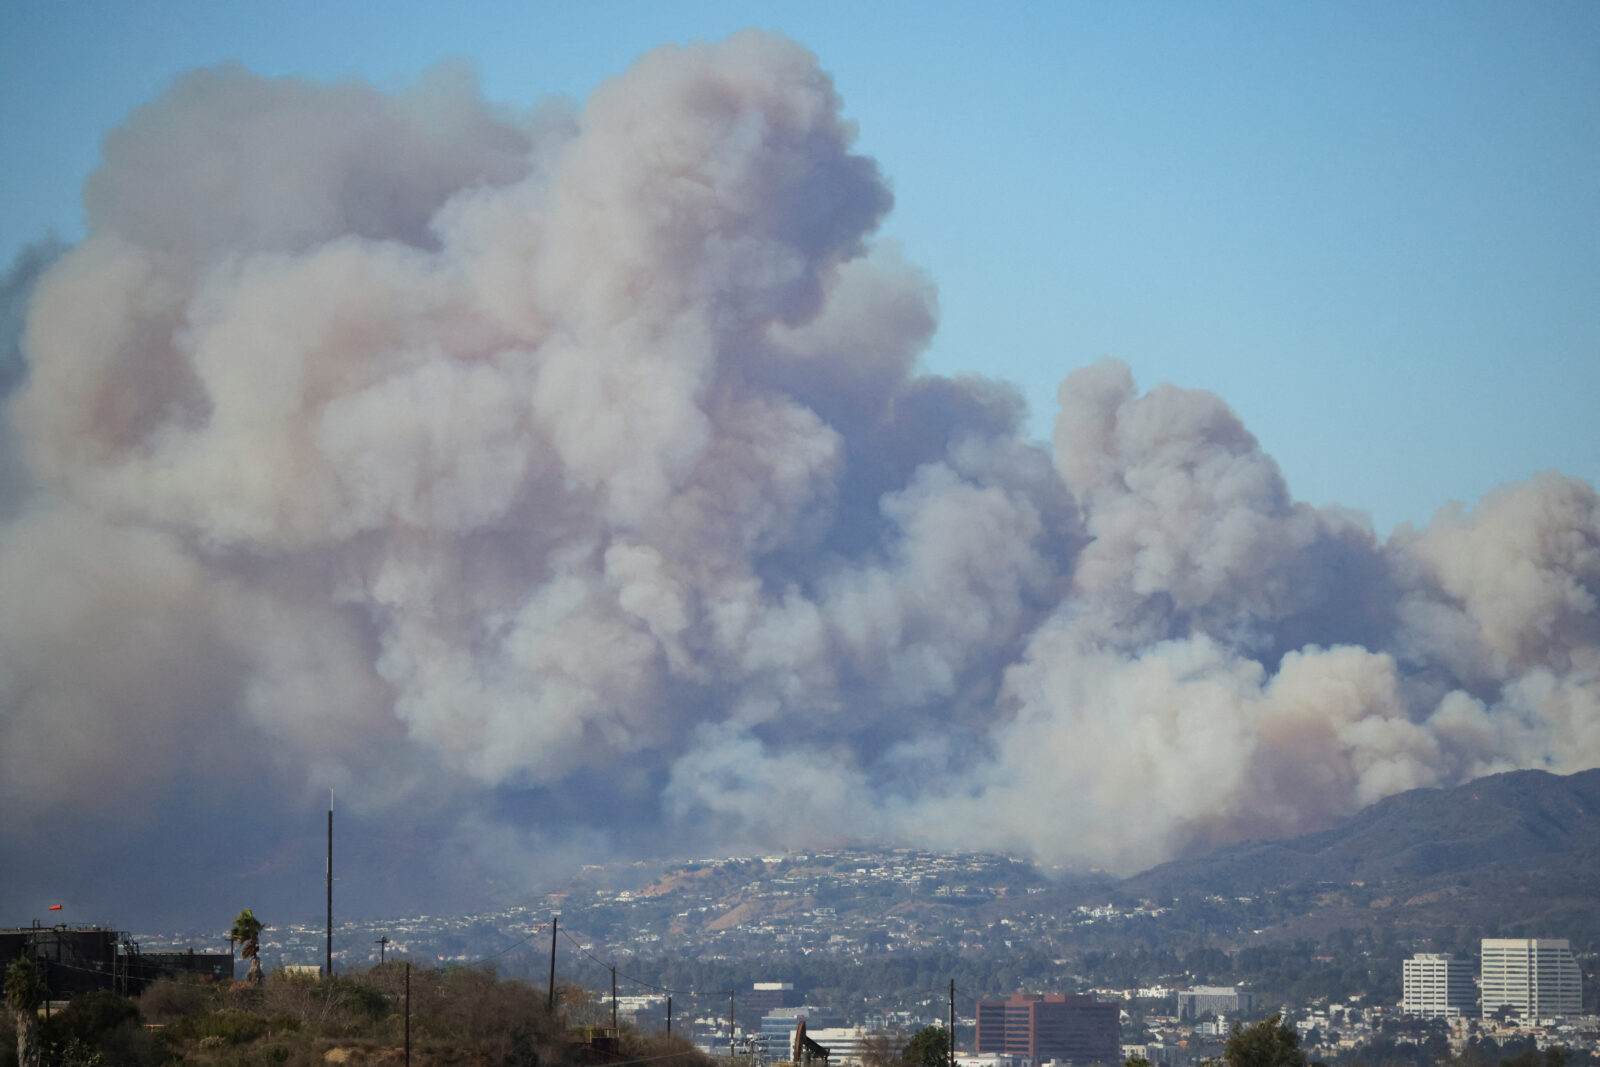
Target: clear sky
1374, 229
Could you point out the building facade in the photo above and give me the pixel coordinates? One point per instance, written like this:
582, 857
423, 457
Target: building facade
71, 960
1206, 1000
1437, 985
762, 998
1533, 978
74, 960
851, 1044
1077, 1029
776, 1034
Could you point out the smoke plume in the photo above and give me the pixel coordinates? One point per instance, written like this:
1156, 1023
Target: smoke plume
568, 475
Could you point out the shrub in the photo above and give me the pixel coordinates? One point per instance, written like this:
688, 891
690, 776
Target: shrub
99, 1028
165, 1000
90, 1016
233, 1027
332, 1007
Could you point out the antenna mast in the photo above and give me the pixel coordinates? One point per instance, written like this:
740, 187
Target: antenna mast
328, 968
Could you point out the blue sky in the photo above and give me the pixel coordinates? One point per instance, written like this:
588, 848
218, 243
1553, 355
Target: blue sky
1374, 229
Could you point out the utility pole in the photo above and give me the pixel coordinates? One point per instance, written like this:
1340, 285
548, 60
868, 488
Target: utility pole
730, 1026
382, 943
952, 1022
329, 968
408, 1013
553, 920
669, 1014
613, 998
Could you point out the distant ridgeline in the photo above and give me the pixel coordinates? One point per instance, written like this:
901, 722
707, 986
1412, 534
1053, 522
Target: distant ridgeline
83, 959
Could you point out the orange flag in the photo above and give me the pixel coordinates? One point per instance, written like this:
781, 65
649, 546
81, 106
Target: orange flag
55, 907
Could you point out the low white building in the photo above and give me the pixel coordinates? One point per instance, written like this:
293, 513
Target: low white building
990, 1059
848, 1044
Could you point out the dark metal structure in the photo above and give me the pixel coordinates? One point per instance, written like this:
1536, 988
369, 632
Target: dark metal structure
806, 1051
77, 960
73, 960
146, 967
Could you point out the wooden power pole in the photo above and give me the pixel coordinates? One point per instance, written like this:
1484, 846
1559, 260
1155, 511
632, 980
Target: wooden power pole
552, 1005
328, 970
952, 1022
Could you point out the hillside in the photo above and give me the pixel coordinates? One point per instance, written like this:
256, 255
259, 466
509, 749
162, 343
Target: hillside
1524, 821
1509, 853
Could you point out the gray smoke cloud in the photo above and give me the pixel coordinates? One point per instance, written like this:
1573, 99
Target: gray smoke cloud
568, 474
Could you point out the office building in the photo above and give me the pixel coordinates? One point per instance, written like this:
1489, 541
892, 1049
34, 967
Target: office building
1437, 985
776, 1034
1535, 979
1076, 1029
1200, 1001
647, 1012
762, 998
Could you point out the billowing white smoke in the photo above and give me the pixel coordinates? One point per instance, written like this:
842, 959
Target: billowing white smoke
430, 450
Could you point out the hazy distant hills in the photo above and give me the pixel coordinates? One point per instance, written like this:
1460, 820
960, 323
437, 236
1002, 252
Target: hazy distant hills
1516, 852
1513, 854
1527, 821
1509, 855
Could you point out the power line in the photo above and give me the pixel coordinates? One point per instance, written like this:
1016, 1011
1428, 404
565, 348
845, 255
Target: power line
541, 928
636, 981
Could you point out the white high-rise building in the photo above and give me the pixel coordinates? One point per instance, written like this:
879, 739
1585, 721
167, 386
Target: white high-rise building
1436, 984
1534, 978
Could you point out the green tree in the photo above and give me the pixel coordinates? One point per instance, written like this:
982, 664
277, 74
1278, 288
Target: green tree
928, 1047
25, 992
247, 931
97, 1028
1268, 1043
1554, 1056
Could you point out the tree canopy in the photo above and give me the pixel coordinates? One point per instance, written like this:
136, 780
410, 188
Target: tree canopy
1268, 1043
25, 987
928, 1047
246, 928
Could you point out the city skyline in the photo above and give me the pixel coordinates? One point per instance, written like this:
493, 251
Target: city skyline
1341, 993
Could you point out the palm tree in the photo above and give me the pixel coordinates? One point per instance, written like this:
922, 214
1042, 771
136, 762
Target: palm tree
246, 930
25, 992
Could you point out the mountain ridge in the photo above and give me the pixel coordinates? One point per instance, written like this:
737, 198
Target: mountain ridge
1528, 819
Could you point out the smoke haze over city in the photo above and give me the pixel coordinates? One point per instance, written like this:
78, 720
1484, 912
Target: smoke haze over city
561, 483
